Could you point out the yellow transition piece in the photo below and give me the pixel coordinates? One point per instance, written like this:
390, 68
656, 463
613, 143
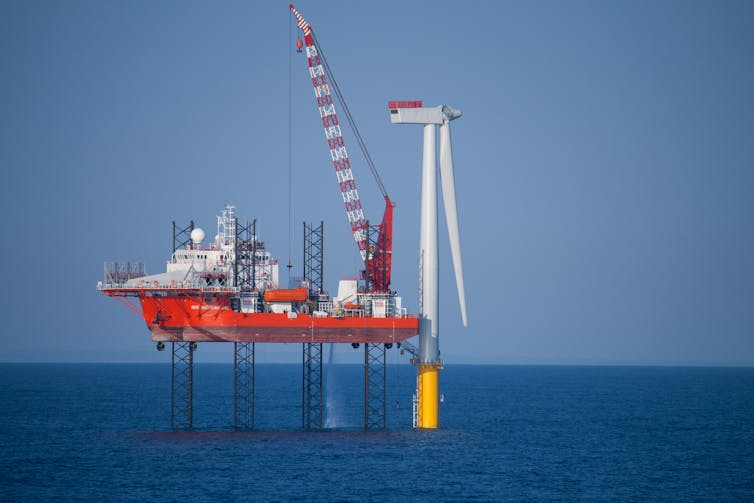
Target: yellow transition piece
428, 416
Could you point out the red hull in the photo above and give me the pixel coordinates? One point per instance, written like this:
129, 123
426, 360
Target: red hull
186, 317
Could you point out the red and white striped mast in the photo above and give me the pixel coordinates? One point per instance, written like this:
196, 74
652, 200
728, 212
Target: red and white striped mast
334, 137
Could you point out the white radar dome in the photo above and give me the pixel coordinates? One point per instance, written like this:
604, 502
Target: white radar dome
197, 236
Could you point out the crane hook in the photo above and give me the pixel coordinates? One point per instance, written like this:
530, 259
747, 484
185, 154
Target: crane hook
299, 45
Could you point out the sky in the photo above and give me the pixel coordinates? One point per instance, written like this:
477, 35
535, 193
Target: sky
604, 165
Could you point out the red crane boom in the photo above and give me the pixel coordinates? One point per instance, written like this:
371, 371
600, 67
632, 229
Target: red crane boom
376, 251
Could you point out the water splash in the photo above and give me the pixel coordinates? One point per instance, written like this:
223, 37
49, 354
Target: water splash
333, 402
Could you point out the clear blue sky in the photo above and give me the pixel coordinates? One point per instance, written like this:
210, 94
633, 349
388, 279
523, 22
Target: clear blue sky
604, 165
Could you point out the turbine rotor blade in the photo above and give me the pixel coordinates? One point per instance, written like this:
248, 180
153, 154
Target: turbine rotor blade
451, 214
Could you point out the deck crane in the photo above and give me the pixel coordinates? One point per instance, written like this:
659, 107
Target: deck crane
375, 250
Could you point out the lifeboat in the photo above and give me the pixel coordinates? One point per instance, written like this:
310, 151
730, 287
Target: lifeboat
299, 294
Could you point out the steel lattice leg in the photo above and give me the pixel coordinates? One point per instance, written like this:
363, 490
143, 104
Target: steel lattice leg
375, 388
182, 393
312, 386
243, 385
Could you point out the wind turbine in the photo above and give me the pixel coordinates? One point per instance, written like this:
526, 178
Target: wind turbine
428, 355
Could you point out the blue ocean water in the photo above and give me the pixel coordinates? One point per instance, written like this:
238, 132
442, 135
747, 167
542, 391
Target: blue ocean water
101, 432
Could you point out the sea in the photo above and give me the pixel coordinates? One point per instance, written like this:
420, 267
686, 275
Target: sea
102, 432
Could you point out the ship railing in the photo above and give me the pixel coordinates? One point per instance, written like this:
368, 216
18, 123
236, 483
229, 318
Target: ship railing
110, 286
118, 273
354, 313
359, 312
220, 289
173, 285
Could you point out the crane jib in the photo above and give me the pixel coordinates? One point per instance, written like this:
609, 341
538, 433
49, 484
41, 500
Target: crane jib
337, 147
375, 252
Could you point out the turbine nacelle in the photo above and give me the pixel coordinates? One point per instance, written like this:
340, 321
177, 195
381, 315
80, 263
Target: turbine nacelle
412, 112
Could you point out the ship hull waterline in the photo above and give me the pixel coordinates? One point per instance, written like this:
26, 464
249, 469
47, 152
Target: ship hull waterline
313, 334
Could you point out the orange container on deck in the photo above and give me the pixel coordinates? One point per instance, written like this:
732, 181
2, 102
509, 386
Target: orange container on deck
299, 294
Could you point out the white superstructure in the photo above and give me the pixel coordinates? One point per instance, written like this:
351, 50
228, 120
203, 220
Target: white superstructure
212, 266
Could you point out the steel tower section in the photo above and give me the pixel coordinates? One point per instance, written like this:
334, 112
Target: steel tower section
244, 278
182, 364
312, 399
314, 249
182, 396
182, 235
375, 387
243, 385
312, 386
429, 350
244, 265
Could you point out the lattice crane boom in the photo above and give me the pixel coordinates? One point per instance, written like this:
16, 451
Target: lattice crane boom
376, 254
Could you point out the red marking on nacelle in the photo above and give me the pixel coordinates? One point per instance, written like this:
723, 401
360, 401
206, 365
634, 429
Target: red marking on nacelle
405, 104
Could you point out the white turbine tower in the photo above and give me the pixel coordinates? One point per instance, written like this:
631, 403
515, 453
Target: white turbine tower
428, 356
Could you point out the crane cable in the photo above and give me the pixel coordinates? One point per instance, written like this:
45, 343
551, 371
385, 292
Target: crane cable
351, 121
290, 147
